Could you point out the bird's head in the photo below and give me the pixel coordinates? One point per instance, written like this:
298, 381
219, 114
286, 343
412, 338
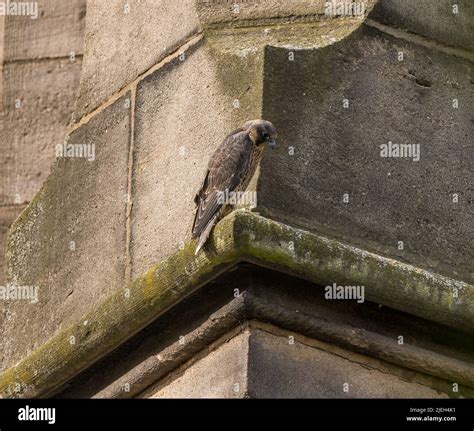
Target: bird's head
261, 132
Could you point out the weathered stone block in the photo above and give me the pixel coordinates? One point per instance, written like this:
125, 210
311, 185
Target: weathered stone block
38, 101
228, 378
216, 13
260, 364
449, 22
124, 39
7, 217
279, 368
2, 42
57, 31
334, 108
71, 240
212, 12
183, 113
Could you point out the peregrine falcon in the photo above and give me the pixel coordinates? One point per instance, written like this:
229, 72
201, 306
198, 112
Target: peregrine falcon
230, 169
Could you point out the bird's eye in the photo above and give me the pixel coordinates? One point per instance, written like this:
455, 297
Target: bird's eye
265, 135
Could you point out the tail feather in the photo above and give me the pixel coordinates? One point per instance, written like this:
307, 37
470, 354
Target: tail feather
205, 234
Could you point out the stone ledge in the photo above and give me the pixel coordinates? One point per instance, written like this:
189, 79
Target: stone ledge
436, 20
421, 40
242, 236
250, 310
222, 13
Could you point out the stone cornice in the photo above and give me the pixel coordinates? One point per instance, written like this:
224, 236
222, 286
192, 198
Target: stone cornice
241, 236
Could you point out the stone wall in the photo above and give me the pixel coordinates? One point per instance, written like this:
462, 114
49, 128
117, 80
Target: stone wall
40, 69
155, 103
332, 128
149, 104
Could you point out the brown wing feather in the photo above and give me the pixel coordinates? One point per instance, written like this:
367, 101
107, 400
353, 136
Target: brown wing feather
225, 171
